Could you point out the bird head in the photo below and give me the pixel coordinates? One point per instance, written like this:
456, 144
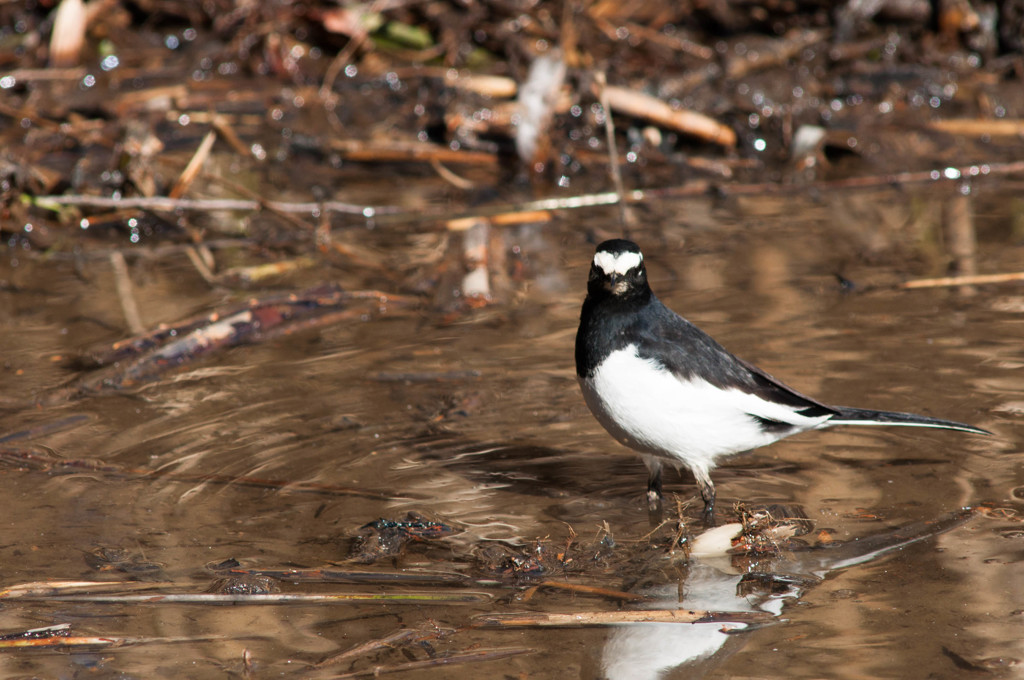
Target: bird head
617, 270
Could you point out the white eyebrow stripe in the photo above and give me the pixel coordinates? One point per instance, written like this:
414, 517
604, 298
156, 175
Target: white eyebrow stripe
611, 263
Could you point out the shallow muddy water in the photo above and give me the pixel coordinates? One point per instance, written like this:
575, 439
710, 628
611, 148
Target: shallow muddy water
475, 419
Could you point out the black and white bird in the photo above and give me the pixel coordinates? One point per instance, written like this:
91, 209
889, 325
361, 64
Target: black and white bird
666, 389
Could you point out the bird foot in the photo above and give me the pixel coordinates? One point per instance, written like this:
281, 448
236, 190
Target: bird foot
654, 508
709, 516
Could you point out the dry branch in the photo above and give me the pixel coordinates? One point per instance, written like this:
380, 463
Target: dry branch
640, 105
778, 51
398, 151
171, 204
68, 36
195, 164
972, 280
980, 127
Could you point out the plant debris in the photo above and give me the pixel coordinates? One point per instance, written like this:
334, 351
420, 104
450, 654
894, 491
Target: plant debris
385, 538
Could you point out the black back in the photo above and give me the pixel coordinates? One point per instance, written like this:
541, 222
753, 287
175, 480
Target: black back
610, 322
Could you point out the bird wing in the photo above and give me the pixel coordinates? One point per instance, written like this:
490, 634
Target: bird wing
691, 354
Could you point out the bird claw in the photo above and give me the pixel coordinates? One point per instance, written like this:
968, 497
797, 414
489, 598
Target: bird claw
709, 514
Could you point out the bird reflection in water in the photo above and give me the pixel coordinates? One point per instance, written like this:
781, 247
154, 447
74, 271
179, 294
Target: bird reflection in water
714, 582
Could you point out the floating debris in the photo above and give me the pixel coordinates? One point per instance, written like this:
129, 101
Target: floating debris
151, 355
106, 558
388, 538
245, 584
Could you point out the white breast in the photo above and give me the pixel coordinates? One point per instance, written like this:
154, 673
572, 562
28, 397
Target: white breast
652, 411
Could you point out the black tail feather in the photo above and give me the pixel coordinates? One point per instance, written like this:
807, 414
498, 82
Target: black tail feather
846, 415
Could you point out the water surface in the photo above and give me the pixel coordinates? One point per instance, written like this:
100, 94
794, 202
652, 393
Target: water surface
475, 418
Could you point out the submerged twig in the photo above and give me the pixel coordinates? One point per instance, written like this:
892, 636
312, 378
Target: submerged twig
200, 264
246, 192
961, 239
446, 597
60, 636
611, 618
105, 641
125, 293
46, 428
152, 354
69, 465
398, 638
583, 589
967, 280
44, 589
450, 660
625, 214
363, 577
259, 272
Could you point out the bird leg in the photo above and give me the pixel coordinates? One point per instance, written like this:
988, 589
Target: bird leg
707, 493
655, 513
653, 485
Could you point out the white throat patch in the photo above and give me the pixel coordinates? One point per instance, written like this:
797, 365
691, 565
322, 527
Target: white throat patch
610, 263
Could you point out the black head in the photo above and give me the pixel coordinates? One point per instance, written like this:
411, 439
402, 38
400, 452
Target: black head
618, 271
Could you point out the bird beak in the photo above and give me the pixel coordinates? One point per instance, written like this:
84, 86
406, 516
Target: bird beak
617, 284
